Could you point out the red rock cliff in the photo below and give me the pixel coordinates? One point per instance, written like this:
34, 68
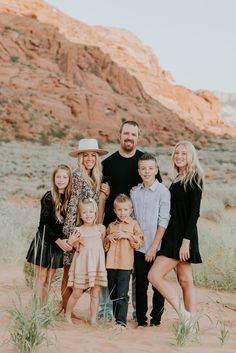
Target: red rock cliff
88, 79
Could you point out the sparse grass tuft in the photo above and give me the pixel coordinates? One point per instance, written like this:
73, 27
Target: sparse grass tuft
30, 273
223, 332
28, 327
186, 331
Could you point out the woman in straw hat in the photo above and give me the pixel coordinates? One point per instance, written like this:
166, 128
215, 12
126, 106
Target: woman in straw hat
86, 183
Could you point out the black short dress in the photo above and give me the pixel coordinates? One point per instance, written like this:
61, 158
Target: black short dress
43, 250
184, 211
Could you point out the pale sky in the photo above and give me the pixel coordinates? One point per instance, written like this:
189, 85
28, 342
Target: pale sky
193, 39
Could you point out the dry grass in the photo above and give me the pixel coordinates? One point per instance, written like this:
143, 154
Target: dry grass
18, 226
26, 173
218, 249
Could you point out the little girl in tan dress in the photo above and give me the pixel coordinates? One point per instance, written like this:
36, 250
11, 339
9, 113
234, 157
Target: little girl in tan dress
88, 268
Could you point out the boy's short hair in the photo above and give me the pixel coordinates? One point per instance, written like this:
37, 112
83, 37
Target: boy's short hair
148, 157
122, 198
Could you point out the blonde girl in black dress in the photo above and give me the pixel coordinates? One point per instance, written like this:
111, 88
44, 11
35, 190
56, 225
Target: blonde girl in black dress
46, 249
179, 246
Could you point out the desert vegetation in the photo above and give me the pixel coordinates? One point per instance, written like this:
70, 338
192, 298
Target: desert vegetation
26, 169
26, 176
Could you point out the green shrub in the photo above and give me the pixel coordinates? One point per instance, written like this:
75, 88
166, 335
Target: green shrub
58, 133
44, 139
14, 58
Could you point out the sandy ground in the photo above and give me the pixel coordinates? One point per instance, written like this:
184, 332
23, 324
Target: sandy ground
82, 338
26, 172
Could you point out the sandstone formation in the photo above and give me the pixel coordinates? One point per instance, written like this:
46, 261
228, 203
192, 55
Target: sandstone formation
62, 79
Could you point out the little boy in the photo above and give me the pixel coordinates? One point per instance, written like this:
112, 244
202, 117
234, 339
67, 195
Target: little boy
122, 237
151, 203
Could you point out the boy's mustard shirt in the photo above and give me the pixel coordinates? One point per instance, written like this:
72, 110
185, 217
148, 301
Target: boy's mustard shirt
120, 255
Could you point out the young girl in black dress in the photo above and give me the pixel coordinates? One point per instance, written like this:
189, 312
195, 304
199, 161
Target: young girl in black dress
179, 246
46, 249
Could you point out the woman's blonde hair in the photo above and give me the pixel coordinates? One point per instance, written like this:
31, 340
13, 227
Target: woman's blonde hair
86, 201
94, 181
194, 171
60, 206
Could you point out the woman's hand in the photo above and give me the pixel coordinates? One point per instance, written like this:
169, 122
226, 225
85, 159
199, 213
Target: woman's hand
151, 254
63, 244
184, 252
105, 189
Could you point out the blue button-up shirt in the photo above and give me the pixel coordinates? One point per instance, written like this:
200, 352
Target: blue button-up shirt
151, 209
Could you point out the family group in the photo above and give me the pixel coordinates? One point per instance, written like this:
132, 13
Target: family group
112, 220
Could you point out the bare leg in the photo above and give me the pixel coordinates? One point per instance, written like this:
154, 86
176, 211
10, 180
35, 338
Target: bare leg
41, 275
185, 278
161, 267
47, 283
94, 304
65, 291
75, 295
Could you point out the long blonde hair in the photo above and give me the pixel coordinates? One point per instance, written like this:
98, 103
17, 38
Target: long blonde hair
60, 207
94, 181
194, 171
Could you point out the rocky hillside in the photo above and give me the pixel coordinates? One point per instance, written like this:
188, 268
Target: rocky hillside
228, 104
63, 79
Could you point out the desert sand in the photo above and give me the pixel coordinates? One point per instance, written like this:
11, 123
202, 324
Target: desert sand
82, 338
26, 172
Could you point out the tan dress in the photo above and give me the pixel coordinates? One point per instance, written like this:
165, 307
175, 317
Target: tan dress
88, 265
80, 190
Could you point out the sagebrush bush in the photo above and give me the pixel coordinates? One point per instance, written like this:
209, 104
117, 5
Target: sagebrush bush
212, 209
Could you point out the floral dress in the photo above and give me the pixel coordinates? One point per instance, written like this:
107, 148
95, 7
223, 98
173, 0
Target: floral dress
80, 191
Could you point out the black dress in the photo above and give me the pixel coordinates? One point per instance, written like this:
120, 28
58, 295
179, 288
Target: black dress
43, 250
185, 207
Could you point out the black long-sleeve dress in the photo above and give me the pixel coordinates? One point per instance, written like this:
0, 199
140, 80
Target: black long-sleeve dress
185, 209
43, 250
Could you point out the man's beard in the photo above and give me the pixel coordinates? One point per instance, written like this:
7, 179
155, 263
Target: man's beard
130, 147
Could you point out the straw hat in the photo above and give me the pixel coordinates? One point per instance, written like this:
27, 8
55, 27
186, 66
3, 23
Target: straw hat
88, 145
